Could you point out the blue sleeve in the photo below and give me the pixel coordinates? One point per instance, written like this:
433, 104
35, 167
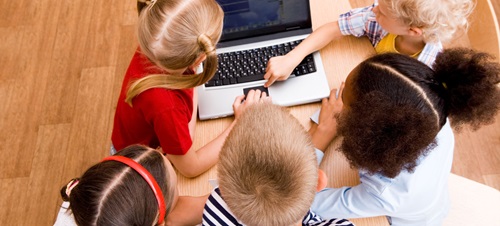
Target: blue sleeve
319, 155
363, 200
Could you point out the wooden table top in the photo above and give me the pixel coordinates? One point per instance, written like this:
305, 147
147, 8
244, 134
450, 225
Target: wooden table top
339, 58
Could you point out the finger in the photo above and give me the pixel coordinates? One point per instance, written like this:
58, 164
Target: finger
332, 98
268, 73
340, 91
256, 97
341, 88
324, 102
250, 96
238, 100
270, 81
263, 95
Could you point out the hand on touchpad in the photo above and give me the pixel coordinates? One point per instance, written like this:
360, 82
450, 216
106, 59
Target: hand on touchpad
261, 88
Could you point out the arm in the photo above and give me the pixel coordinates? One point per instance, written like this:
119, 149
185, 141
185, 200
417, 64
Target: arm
187, 211
195, 162
353, 202
280, 67
192, 123
323, 133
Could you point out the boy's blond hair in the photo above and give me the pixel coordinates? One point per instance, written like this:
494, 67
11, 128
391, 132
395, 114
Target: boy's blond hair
173, 34
439, 19
267, 168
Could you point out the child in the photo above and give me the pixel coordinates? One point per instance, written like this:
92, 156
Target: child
157, 104
404, 147
411, 27
137, 186
267, 176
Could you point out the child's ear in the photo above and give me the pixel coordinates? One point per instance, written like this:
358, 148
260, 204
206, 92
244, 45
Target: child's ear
322, 180
197, 62
415, 31
200, 59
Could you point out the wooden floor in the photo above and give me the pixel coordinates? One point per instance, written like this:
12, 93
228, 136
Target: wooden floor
61, 67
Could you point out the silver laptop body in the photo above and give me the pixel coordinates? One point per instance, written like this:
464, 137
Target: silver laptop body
285, 21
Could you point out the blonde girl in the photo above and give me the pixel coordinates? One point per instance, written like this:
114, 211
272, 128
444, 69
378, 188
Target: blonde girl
157, 105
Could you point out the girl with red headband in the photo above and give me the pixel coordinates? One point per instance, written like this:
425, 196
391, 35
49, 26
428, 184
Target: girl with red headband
137, 186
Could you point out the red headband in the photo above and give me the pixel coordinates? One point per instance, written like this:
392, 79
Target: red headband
147, 176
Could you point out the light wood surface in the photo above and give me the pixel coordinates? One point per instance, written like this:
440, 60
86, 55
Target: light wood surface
484, 32
61, 68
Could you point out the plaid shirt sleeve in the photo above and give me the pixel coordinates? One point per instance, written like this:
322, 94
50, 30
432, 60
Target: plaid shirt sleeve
429, 53
361, 22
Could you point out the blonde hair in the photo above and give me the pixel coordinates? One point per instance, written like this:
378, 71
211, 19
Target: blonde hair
438, 19
173, 34
267, 168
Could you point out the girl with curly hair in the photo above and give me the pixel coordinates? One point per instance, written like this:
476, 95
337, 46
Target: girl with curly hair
395, 115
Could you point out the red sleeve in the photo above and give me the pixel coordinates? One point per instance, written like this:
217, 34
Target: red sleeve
171, 127
169, 113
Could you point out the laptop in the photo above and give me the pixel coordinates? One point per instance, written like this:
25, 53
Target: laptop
253, 32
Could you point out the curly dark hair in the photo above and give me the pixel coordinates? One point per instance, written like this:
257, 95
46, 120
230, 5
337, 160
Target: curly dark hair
401, 105
472, 80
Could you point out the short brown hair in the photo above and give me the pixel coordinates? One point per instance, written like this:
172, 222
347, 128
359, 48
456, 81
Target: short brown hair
268, 169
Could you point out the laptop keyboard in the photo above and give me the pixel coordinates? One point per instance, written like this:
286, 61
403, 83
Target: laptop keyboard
250, 65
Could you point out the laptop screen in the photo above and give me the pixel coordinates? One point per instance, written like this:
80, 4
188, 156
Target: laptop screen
249, 18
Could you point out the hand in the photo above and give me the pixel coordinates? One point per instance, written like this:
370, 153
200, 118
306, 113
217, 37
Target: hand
326, 130
279, 68
253, 97
331, 107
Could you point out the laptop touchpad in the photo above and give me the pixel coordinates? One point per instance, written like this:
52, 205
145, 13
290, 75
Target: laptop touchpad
261, 88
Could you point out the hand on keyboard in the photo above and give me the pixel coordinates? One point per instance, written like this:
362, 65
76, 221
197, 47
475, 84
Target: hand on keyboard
279, 68
250, 65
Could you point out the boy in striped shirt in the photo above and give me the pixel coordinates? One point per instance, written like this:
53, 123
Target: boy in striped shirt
268, 173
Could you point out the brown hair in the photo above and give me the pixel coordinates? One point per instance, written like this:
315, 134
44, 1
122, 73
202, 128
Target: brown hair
408, 103
173, 34
267, 168
112, 193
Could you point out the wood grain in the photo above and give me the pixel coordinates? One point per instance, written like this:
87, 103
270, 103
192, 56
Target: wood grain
61, 68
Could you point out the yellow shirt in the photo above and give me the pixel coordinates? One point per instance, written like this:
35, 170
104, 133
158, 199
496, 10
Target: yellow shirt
388, 44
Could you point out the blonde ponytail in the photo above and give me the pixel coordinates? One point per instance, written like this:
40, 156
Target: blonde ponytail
173, 34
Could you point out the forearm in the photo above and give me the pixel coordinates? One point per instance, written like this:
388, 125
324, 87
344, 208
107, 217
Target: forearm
209, 154
192, 123
196, 162
322, 136
317, 40
187, 211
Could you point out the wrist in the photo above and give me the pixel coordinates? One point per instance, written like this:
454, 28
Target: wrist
322, 136
296, 55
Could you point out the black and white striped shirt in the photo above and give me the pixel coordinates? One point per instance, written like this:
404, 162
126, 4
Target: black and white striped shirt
217, 212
